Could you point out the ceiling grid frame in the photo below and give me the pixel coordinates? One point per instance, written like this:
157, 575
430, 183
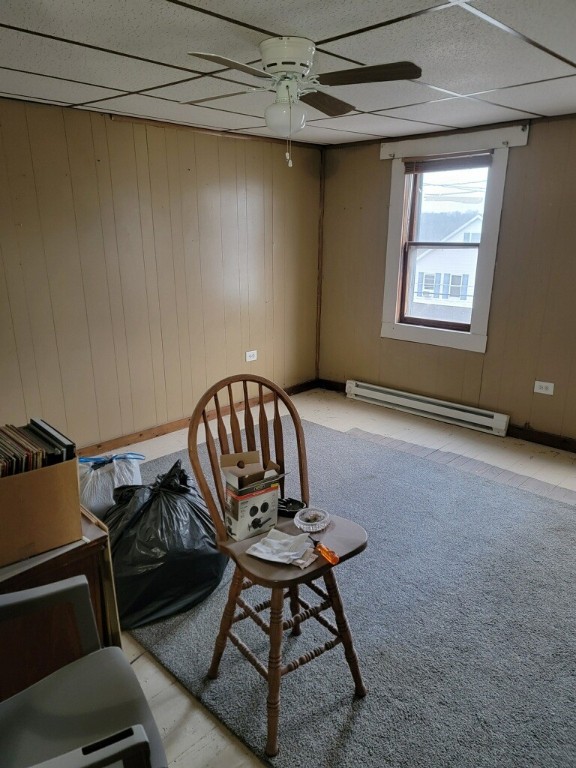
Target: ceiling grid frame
484, 62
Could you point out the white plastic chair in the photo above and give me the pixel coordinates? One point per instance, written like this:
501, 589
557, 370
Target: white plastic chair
90, 713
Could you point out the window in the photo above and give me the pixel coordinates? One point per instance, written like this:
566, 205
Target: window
428, 282
455, 286
443, 202
443, 221
457, 289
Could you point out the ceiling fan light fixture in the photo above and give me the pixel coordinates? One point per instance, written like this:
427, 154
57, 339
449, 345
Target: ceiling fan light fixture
285, 118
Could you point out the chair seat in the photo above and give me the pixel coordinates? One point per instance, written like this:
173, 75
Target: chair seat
343, 536
88, 699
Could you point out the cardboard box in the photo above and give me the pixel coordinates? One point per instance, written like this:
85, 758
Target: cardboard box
245, 469
251, 495
39, 510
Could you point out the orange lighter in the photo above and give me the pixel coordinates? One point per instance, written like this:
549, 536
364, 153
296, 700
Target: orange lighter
327, 554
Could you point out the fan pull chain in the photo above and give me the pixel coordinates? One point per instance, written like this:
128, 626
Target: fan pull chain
289, 138
289, 152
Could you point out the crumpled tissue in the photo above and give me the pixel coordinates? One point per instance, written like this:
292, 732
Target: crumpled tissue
280, 547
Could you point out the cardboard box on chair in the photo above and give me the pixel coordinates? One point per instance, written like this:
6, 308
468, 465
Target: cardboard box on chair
251, 494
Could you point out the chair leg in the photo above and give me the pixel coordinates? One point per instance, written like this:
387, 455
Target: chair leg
294, 609
274, 669
344, 630
226, 623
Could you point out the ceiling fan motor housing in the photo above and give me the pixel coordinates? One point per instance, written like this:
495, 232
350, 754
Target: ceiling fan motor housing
287, 54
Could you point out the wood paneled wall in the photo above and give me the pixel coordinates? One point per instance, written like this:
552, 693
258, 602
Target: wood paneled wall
138, 264
532, 329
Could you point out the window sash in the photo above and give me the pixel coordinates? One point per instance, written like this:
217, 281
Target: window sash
413, 191
416, 165
438, 291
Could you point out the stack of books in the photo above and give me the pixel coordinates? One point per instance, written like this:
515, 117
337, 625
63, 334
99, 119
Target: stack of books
34, 446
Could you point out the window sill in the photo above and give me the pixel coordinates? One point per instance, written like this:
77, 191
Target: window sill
439, 337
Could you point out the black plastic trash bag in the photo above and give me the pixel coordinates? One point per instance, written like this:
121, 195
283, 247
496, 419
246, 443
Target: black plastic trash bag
163, 548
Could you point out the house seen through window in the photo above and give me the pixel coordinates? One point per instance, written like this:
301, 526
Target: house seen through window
444, 207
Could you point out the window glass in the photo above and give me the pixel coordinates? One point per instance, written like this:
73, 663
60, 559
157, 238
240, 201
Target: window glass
450, 204
444, 211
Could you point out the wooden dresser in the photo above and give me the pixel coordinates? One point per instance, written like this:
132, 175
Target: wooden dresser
33, 646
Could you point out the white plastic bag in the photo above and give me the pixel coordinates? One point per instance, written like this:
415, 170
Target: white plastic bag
99, 475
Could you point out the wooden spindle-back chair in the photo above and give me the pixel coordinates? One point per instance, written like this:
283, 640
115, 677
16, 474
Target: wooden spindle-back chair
245, 399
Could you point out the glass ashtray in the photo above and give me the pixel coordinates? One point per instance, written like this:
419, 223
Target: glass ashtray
311, 519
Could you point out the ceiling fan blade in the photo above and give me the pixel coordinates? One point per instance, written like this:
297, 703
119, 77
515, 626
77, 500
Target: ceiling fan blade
229, 63
327, 104
379, 73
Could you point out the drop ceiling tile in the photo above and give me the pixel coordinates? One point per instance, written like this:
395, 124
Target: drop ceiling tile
265, 132
456, 50
199, 88
326, 62
155, 30
378, 125
371, 97
315, 135
22, 84
316, 21
458, 113
36, 99
552, 24
19, 50
159, 109
327, 136
253, 103
551, 97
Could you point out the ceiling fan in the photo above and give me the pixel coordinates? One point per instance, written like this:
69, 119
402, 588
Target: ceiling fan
287, 62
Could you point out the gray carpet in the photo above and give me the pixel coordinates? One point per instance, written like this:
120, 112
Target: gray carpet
463, 615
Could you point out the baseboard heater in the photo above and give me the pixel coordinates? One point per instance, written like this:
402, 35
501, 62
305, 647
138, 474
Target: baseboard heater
452, 413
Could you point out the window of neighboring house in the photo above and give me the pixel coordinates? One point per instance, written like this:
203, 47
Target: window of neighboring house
445, 203
443, 197
457, 289
455, 286
428, 283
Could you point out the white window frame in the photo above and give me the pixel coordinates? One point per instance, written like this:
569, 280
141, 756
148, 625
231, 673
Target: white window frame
498, 140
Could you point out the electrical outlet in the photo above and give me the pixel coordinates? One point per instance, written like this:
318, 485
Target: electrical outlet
544, 387
251, 356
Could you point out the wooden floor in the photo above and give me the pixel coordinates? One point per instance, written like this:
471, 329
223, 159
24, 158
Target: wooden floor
192, 736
